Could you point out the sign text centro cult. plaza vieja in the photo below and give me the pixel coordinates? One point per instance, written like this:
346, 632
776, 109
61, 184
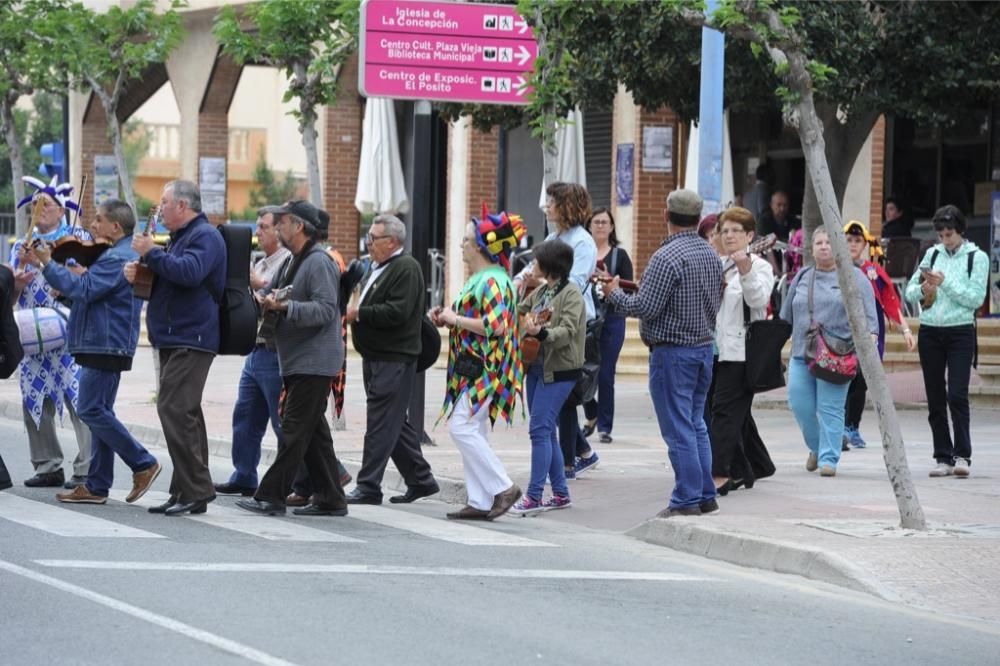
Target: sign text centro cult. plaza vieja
445, 51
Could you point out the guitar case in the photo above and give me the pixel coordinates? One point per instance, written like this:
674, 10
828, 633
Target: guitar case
238, 309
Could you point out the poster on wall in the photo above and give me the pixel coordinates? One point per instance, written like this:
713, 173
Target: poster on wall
995, 255
658, 149
105, 179
625, 173
212, 182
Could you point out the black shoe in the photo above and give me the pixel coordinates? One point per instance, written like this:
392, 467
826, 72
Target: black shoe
262, 507
358, 497
316, 510
711, 506
233, 489
5, 484
195, 507
724, 489
47, 480
162, 508
74, 481
413, 494
680, 511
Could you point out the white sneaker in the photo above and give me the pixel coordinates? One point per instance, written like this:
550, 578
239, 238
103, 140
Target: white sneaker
961, 468
944, 469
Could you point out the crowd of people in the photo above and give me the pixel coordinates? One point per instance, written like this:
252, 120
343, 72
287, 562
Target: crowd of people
549, 336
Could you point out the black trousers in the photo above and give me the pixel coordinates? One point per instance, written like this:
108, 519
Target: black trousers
738, 451
389, 435
307, 439
5, 481
855, 405
951, 349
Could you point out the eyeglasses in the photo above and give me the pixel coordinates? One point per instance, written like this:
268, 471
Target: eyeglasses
600, 223
371, 239
731, 232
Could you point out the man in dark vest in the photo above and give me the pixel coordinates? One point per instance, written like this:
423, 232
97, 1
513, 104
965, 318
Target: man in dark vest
385, 328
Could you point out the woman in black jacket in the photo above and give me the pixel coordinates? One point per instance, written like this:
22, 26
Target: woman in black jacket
11, 352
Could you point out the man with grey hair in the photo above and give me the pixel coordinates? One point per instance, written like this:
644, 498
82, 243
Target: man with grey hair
102, 336
385, 329
183, 325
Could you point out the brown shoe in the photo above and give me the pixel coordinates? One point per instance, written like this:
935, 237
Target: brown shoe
468, 513
141, 481
296, 500
503, 502
81, 495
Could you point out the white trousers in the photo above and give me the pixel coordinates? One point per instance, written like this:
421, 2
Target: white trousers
485, 476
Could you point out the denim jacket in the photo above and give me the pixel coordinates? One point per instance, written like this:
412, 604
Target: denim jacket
183, 309
105, 317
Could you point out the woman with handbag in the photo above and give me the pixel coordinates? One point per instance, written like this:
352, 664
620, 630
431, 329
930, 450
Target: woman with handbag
484, 362
739, 456
600, 412
555, 316
823, 360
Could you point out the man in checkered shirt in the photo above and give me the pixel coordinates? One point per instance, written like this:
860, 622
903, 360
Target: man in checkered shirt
677, 301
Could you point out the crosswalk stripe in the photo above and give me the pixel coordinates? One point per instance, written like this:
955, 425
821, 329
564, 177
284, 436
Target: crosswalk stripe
64, 522
439, 528
237, 520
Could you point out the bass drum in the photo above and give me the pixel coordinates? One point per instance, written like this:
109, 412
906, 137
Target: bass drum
42, 329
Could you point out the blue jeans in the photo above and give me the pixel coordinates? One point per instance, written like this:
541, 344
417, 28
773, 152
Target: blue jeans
818, 407
256, 404
544, 402
679, 378
603, 407
95, 407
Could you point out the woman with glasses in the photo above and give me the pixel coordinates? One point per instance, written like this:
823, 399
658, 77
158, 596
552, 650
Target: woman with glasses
950, 284
739, 456
600, 412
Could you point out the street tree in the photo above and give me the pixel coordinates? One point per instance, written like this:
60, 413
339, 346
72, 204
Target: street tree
26, 67
310, 41
834, 68
106, 51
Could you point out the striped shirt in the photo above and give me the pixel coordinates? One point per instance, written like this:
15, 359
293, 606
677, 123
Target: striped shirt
679, 294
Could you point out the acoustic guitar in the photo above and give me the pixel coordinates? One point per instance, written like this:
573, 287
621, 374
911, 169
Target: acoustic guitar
270, 320
144, 275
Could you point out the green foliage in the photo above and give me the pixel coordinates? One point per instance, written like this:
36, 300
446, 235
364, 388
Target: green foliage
40, 125
309, 40
270, 188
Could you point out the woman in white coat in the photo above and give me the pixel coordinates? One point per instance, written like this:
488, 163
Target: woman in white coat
738, 454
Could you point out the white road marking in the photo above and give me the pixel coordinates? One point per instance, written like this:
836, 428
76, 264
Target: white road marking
238, 649
375, 569
65, 522
441, 528
238, 520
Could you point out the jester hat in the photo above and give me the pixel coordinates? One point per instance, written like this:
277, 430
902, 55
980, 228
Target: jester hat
856, 228
58, 193
498, 234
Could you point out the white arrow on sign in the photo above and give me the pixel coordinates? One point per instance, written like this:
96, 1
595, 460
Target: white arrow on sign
524, 56
521, 85
522, 24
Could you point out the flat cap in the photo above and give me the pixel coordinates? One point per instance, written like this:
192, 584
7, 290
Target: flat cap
684, 202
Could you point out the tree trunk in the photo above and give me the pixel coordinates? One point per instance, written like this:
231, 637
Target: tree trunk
810, 132
16, 165
115, 135
307, 128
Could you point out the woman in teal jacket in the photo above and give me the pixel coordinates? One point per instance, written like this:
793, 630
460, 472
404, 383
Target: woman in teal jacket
950, 283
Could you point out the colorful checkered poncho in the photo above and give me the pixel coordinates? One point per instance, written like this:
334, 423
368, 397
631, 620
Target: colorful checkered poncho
488, 295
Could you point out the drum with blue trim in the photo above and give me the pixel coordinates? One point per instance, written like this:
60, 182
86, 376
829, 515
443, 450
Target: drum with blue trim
42, 329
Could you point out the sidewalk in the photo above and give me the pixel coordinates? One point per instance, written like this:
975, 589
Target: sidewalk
839, 530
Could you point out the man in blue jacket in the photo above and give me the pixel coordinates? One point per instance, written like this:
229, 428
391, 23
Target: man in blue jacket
102, 335
182, 320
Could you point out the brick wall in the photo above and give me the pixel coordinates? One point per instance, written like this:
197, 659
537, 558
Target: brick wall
878, 176
93, 141
344, 120
213, 117
482, 171
651, 191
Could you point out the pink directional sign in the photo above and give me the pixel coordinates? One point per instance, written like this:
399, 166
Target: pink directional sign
445, 51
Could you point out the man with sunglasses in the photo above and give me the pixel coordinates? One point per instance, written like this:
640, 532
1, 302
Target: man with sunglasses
950, 282
385, 329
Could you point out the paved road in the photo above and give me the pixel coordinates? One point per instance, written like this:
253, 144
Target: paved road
387, 585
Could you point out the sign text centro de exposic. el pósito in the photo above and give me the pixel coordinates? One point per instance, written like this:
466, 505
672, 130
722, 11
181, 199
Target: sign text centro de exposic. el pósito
445, 51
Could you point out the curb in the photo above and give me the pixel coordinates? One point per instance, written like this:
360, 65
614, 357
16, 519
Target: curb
746, 550
452, 490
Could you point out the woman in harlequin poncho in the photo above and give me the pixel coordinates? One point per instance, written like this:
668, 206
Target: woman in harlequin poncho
484, 362
865, 249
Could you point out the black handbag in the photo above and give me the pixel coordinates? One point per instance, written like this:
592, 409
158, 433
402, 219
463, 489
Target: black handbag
763, 370
469, 365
